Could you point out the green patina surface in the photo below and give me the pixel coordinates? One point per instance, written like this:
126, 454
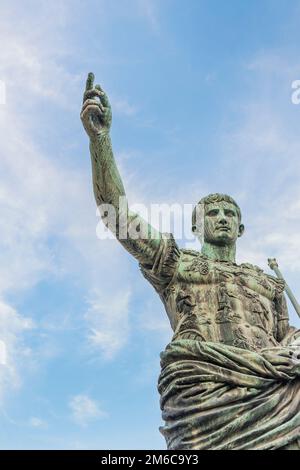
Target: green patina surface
229, 379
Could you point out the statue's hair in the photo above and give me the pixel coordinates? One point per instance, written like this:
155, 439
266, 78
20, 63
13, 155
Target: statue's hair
213, 198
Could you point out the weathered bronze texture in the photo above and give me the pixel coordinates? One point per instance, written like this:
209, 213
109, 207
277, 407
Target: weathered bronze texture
230, 377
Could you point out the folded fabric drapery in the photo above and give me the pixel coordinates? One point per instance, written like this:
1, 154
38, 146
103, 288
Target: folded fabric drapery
215, 396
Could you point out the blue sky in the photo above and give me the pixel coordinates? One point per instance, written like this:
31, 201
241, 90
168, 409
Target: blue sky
201, 98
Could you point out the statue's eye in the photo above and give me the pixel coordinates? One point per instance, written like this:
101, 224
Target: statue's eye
212, 213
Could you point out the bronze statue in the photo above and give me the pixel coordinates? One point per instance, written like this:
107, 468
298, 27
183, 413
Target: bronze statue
229, 378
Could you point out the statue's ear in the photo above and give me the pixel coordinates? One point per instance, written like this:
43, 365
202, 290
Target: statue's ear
241, 230
194, 228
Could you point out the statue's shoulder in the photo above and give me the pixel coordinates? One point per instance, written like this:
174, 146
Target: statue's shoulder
191, 256
276, 283
256, 270
193, 261
186, 252
252, 267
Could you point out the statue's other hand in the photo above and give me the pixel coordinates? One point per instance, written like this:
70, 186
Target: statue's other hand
96, 111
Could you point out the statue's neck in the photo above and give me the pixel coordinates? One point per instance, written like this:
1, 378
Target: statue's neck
219, 253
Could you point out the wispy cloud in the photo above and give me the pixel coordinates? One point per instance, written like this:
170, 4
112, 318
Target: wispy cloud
15, 353
85, 410
123, 107
32, 58
35, 422
108, 320
262, 151
41, 198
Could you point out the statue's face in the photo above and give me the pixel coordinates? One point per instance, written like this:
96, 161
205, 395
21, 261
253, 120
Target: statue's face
221, 223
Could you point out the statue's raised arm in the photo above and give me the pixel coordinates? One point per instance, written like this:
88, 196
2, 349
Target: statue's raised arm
230, 376
96, 116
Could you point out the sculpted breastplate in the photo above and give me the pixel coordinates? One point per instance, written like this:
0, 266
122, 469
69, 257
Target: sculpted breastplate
223, 302
217, 301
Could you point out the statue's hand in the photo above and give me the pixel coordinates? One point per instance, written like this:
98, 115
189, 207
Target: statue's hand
96, 111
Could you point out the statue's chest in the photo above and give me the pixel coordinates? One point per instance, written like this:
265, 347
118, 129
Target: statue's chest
222, 302
245, 281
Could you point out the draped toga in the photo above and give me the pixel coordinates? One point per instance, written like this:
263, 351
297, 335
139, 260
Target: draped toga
230, 377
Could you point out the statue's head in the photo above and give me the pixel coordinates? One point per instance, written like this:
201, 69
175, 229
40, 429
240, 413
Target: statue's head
216, 219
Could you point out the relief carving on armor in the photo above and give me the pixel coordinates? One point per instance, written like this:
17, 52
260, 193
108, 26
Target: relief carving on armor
199, 265
225, 312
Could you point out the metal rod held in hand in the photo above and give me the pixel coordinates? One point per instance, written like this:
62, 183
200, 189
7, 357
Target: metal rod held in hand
274, 266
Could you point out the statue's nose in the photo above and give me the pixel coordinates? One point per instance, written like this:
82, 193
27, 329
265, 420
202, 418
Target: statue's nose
223, 220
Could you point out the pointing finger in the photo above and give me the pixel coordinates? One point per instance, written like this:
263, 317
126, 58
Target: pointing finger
90, 81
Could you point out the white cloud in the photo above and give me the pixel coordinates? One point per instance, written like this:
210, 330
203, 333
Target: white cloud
40, 197
35, 422
14, 353
32, 56
261, 153
108, 320
123, 107
265, 154
85, 410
